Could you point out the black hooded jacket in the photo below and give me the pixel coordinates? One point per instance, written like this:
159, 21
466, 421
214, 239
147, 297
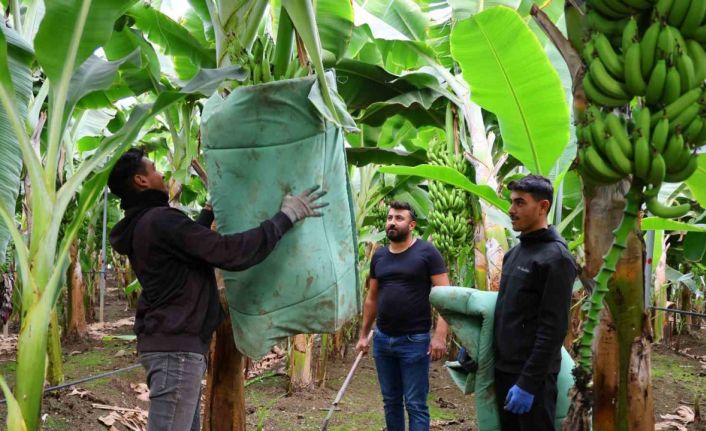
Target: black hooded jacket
173, 258
532, 312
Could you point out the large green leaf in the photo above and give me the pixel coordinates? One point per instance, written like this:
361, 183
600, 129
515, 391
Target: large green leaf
174, 39
697, 182
657, 223
365, 155
509, 74
695, 246
374, 95
95, 74
15, 421
335, 21
71, 30
18, 58
404, 15
452, 177
207, 81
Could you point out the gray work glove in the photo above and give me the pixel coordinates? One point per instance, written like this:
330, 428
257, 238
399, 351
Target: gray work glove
304, 205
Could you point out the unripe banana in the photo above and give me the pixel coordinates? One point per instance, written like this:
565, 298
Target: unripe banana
266, 72
595, 163
657, 171
605, 82
680, 164
687, 73
648, 49
617, 131
698, 56
685, 173
694, 17
617, 159
665, 43
678, 12
629, 35
642, 158
673, 151
605, 26
655, 85
693, 131
678, 106
672, 86
610, 9
663, 7
660, 210
611, 60
634, 81
598, 97
660, 135
643, 122
685, 118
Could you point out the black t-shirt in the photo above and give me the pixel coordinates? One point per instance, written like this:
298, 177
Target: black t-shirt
404, 283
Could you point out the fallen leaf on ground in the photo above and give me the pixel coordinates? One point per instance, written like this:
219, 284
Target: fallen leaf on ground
682, 416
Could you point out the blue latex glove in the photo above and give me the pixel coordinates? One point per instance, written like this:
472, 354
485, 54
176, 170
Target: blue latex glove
518, 401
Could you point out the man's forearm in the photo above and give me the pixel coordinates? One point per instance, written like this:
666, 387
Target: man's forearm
442, 328
369, 313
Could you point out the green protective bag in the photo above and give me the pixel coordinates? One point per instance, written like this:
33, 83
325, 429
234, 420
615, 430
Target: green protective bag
259, 143
470, 313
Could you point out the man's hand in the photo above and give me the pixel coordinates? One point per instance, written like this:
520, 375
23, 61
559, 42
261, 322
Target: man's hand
437, 347
304, 205
208, 206
518, 401
363, 344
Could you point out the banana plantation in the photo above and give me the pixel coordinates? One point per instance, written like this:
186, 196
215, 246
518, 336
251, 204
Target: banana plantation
440, 104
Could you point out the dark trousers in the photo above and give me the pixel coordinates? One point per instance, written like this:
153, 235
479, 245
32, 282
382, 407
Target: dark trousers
541, 415
174, 380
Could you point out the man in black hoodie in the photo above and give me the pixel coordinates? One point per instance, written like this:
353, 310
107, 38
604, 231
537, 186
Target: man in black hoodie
173, 258
532, 312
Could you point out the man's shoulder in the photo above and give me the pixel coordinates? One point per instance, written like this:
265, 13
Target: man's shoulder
164, 217
426, 246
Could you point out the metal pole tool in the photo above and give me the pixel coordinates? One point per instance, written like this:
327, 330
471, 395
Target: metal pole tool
346, 382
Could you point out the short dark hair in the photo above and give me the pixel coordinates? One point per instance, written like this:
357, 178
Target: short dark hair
398, 205
127, 166
538, 186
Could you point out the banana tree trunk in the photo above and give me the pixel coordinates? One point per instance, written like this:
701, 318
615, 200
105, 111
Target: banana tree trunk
301, 372
622, 388
55, 369
77, 290
224, 405
31, 361
491, 241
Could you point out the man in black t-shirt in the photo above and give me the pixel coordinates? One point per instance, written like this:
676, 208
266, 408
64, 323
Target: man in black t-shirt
401, 277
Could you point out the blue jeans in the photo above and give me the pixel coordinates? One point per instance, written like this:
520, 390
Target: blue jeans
174, 380
402, 365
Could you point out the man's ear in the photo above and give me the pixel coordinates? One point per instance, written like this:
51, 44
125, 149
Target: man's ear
140, 181
412, 224
545, 205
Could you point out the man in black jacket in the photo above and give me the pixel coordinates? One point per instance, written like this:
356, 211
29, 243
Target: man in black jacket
532, 312
173, 258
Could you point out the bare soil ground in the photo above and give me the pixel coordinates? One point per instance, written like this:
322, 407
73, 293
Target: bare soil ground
679, 379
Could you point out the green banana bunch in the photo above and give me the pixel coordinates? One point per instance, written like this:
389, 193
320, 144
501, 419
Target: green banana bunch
450, 216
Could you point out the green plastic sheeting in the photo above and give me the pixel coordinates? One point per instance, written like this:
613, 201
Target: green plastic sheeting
260, 143
470, 314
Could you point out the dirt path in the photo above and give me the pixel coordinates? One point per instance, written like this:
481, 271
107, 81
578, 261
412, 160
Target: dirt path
677, 378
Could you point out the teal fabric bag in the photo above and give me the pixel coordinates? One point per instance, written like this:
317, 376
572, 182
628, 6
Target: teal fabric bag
260, 143
470, 313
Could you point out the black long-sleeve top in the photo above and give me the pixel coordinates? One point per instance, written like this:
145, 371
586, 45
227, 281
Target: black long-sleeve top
173, 258
532, 312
